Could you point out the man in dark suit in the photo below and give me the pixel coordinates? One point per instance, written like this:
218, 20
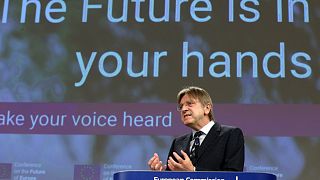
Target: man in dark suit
210, 146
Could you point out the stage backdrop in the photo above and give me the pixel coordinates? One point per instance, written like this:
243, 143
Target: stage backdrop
88, 88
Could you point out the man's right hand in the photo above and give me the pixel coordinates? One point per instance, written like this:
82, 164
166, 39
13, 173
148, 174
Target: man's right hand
155, 163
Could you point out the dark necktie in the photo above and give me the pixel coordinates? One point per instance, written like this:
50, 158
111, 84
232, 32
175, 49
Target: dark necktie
195, 147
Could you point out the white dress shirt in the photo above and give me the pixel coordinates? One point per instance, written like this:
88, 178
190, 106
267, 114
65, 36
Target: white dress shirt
205, 129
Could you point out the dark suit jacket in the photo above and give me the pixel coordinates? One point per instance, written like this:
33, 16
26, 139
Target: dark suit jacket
221, 150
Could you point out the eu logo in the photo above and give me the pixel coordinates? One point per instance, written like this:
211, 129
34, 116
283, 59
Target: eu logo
86, 172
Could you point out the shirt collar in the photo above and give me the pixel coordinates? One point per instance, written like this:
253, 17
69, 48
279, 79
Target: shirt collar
205, 129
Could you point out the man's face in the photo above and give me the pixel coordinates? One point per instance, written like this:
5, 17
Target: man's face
193, 113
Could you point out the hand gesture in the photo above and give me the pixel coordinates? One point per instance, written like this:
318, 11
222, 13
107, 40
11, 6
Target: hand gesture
182, 164
155, 163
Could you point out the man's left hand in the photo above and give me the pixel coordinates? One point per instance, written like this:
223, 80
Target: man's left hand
183, 164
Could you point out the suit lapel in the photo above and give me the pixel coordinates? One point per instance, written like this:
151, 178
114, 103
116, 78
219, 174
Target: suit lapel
210, 140
184, 144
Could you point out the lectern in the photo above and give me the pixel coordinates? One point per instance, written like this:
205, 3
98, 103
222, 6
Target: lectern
198, 175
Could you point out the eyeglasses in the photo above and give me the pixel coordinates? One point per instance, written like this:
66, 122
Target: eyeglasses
187, 103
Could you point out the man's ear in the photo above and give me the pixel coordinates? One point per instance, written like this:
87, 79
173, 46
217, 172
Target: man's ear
207, 109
